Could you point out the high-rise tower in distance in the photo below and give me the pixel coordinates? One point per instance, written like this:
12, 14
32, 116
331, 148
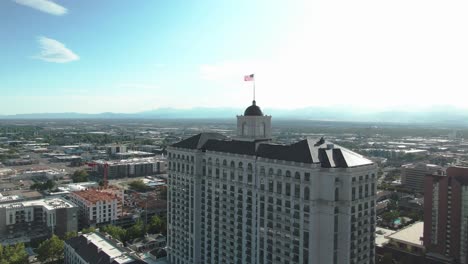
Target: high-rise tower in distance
248, 200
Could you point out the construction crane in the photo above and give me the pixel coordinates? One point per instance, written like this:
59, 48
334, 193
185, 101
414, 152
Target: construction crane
105, 180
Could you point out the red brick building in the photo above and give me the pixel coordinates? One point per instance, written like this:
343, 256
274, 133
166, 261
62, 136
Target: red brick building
446, 216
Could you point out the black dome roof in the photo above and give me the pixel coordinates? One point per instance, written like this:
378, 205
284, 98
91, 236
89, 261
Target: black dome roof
253, 110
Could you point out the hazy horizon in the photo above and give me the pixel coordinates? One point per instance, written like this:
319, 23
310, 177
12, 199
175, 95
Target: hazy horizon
104, 56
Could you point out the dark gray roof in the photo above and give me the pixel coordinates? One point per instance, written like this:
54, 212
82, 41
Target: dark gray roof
231, 146
89, 252
197, 141
329, 155
253, 110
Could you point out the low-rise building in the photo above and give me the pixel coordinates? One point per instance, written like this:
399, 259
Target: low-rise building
132, 167
20, 162
116, 148
9, 198
409, 239
404, 245
7, 172
28, 220
42, 173
147, 243
97, 248
67, 158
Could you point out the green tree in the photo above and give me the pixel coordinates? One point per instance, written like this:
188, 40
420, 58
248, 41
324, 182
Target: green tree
15, 254
156, 225
88, 230
138, 185
50, 250
394, 197
136, 230
49, 184
80, 176
415, 216
116, 232
69, 235
390, 216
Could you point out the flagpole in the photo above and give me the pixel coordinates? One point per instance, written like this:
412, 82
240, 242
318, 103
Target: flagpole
254, 89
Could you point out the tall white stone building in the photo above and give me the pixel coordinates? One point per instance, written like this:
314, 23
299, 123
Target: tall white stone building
248, 200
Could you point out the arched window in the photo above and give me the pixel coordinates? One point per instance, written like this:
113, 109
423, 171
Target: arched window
279, 173
244, 129
270, 172
240, 166
306, 193
262, 129
262, 170
288, 174
337, 194
249, 166
233, 164
217, 162
224, 163
297, 175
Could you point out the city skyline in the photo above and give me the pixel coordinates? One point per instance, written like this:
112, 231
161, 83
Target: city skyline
94, 57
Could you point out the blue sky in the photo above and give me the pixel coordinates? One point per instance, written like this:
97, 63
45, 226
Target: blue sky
129, 56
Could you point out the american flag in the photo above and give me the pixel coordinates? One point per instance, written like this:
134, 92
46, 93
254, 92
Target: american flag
249, 78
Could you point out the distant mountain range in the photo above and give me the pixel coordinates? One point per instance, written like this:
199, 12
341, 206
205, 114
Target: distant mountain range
442, 115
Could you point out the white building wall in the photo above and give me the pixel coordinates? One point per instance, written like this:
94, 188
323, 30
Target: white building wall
219, 215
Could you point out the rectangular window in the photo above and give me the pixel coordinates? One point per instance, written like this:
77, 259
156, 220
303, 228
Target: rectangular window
306, 239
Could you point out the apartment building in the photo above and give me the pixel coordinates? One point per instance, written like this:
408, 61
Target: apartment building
24, 221
446, 216
98, 206
248, 200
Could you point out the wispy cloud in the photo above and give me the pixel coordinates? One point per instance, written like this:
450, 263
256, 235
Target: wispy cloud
54, 51
45, 6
